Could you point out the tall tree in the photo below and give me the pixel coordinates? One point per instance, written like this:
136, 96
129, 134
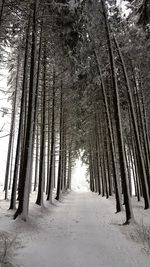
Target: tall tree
24, 179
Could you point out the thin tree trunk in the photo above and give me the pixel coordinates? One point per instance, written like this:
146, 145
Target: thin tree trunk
1, 12
39, 200
69, 169
60, 149
37, 157
91, 173
11, 162
52, 154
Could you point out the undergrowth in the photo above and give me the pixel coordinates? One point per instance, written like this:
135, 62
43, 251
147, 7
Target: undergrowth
6, 249
141, 234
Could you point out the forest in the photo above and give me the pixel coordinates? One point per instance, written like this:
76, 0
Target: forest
78, 87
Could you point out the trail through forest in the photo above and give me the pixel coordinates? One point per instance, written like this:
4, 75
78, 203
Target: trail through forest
79, 232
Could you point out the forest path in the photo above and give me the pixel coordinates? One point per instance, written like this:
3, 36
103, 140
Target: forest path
79, 232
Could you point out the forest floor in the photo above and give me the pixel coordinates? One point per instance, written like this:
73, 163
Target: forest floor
81, 230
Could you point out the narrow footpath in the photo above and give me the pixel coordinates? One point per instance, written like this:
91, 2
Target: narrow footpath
78, 232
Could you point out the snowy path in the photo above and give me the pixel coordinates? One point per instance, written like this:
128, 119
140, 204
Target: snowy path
79, 233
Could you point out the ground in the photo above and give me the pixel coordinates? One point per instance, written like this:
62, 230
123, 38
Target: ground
80, 231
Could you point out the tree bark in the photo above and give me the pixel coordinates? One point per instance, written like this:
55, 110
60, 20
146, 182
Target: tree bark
52, 153
39, 200
60, 148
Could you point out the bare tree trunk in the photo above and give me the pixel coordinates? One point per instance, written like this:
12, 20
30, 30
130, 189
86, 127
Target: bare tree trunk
65, 158
11, 162
100, 136
37, 157
69, 167
48, 139
91, 173
97, 159
60, 149
39, 200
52, 153
1, 11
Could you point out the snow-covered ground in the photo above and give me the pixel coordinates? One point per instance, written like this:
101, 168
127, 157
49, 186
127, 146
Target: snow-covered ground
80, 231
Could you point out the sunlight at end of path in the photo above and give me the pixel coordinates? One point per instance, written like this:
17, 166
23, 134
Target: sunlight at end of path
80, 178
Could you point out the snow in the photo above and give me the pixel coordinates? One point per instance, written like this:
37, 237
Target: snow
124, 7
80, 230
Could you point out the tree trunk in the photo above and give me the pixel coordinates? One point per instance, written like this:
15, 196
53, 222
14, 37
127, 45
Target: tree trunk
1, 12
69, 168
37, 157
52, 153
39, 200
60, 149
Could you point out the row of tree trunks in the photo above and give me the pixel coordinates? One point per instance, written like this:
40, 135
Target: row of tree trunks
144, 179
123, 167
129, 155
103, 113
110, 132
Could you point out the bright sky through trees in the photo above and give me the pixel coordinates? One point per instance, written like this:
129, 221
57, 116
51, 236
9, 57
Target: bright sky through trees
4, 123
79, 178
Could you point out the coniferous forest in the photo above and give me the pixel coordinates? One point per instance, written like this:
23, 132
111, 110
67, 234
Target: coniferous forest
78, 85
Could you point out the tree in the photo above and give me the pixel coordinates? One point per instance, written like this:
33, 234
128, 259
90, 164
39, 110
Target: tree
52, 153
24, 179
